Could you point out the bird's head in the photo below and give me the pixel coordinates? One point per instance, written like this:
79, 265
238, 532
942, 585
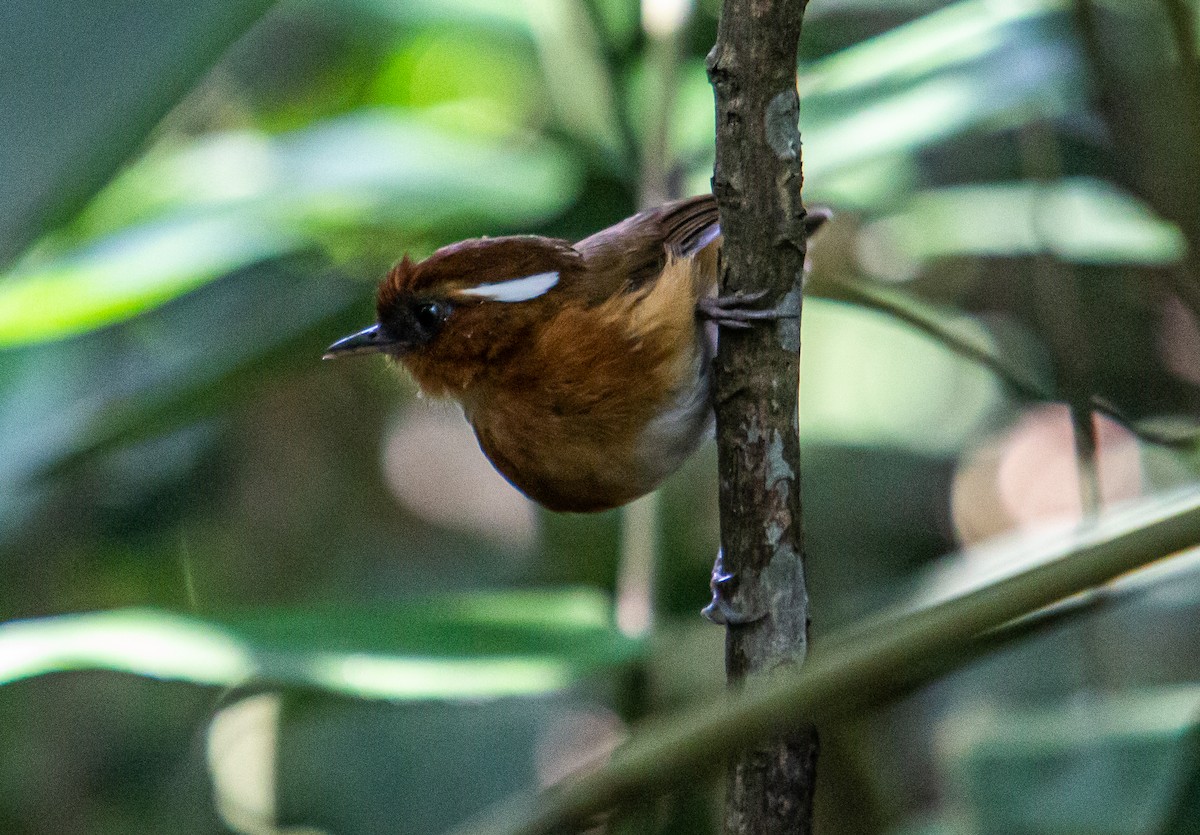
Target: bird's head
463, 309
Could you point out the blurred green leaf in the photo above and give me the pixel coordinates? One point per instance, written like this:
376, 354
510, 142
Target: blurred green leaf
477, 82
456, 646
351, 766
483, 13
132, 272
569, 46
376, 166
893, 386
234, 199
83, 83
1077, 219
575, 74
1183, 813
869, 109
942, 75
1103, 764
832, 8
164, 370
942, 40
955, 331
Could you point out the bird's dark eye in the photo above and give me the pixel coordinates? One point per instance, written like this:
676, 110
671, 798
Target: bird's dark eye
429, 316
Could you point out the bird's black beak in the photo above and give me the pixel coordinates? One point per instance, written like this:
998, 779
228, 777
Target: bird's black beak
370, 340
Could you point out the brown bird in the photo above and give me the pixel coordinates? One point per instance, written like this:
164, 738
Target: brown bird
584, 369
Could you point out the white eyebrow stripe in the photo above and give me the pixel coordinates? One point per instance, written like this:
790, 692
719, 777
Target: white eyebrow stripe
515, 289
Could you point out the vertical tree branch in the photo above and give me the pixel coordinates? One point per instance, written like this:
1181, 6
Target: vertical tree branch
757, 183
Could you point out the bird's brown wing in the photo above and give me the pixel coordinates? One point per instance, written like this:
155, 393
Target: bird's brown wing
626, 256
690, 225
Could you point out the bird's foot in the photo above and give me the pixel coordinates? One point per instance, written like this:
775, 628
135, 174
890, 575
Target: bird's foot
737, 311
722, 610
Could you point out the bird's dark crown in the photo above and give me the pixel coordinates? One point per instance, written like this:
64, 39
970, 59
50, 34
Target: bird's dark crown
471, 263
453, 316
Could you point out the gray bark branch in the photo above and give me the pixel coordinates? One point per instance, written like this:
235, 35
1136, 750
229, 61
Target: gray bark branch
757, 183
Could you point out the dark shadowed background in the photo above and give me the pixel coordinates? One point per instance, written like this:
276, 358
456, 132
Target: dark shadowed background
245, 590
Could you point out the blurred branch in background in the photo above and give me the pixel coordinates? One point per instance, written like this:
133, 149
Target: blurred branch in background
1056, 306
663, 22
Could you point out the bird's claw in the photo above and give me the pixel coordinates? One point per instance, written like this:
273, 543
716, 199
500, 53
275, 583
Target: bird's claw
721, 612
721, 609
736, 311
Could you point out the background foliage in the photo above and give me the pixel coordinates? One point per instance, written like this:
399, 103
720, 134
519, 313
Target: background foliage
341, 620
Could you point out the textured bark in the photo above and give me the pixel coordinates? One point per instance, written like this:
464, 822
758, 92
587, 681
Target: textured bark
757, 184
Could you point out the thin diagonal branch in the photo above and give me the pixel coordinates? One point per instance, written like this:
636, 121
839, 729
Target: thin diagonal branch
863, 668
